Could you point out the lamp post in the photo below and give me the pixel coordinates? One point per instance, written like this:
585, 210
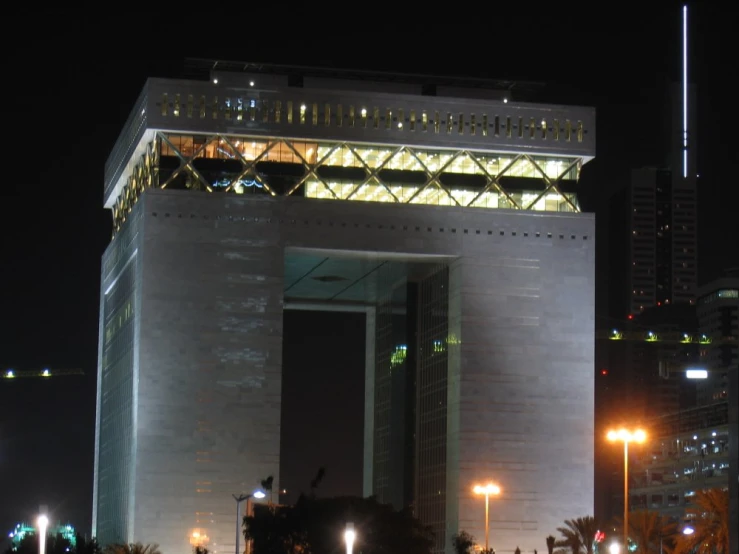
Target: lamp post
487, 490
239, 499
43, 523
626, 437
349, 537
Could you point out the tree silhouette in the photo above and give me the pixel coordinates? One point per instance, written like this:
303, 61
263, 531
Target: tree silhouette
578, 535
316, 525
463, 543
133, 548
267, 486
85, 546
710, 520
550, 544
320, 474
648, 530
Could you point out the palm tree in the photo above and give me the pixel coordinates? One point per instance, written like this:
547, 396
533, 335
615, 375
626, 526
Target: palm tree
650, 531
133, 548
710, 516
550, 544
579, 535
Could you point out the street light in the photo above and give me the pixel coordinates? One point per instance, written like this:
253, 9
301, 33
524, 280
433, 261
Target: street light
626, 437
487, 490
43, 523
349, 537
239, 499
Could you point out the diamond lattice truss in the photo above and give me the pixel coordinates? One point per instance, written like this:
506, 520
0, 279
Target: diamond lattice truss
245, 153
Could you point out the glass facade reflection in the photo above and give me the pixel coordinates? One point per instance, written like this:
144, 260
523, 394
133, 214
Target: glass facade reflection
116, 408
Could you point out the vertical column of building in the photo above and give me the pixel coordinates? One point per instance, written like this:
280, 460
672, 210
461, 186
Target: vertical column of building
642, 231
114, 500
385, 363
431, 404
210, 356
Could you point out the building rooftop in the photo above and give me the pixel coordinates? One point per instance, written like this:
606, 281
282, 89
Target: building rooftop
201, 68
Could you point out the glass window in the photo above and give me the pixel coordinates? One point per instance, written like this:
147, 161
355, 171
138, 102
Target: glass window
278, 111
176, 110
190, 105
165, 104
413, 120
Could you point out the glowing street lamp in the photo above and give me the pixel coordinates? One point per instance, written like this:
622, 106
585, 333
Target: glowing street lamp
626, 437
239, 499
349, 537
487, 490
43, 524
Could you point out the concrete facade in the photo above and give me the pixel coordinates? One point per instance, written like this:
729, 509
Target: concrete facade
228, 193
208, 360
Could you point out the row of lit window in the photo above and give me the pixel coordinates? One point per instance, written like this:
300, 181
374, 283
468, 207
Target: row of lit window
433, 195
722, 294
266, 111
368, 157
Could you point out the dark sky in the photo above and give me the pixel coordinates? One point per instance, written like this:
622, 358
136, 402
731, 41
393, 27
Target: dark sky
71, 79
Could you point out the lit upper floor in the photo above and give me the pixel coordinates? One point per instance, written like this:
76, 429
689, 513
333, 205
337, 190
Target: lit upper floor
352, 123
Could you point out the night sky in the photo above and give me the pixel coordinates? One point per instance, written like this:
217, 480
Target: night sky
71, 79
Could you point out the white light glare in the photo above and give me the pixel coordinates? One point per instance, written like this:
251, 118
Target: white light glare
615, 548
688, 531
259, 494
696, 374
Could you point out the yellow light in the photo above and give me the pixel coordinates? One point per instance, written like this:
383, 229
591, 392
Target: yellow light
625, 435
490, 488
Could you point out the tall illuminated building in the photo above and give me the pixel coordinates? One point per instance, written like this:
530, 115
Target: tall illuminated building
663, 209
450, 220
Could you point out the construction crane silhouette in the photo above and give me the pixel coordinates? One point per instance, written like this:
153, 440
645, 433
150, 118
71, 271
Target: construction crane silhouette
45, 373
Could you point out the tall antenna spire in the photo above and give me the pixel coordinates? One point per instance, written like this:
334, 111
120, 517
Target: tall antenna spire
685, 91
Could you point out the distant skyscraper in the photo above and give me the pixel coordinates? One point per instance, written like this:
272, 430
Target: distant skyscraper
663, 222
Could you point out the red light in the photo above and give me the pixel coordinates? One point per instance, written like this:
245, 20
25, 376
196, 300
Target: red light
604, 372
631, 316
659, 303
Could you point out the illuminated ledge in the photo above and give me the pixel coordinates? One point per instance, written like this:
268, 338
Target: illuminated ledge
346, 171
345, 116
